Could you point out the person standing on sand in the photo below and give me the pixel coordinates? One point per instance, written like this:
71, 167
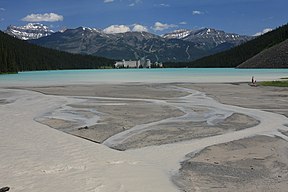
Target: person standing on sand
253, 82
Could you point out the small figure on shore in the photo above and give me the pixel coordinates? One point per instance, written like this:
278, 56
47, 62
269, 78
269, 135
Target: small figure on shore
4, 189
253, 80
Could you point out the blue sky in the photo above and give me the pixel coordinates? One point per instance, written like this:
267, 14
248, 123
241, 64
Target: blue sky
245, 17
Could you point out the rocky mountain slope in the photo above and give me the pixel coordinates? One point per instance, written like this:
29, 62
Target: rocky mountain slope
136, 45
208, 38
274, 57
29, 31
129, 45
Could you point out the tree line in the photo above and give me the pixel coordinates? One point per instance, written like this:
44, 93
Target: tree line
17, 55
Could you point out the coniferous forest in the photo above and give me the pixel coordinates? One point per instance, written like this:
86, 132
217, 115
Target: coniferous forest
239, 54
17, 55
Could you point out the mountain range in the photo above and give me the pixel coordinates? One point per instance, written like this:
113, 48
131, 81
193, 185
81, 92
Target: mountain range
180, 45
266, 51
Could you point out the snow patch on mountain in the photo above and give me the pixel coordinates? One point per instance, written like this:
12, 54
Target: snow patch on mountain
177, 34
29, 31
207, 35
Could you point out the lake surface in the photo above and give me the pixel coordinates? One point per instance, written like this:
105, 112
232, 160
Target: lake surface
198, 75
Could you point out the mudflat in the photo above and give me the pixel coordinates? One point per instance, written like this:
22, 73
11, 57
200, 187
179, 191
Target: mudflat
254, 164
161, 109
133, 116
273, 99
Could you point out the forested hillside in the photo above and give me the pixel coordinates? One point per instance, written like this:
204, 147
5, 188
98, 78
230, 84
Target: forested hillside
239, 54
274, 57
17, 55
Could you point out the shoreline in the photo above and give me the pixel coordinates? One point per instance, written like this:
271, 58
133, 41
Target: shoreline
91, 77
159, 96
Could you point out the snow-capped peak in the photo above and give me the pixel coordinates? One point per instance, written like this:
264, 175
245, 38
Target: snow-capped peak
29, 31
35, 26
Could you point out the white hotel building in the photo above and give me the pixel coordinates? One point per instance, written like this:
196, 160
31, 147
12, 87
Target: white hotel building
133, 64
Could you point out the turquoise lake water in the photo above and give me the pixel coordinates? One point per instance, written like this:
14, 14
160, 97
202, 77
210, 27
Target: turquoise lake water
63, 77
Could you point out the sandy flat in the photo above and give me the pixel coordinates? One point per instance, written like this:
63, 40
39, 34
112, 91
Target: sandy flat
160, 127
160, 110
35, 157
176, 132
148, 91
118, 118
274, 99
253, 164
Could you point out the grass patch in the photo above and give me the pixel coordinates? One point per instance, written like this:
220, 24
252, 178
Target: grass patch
274, 83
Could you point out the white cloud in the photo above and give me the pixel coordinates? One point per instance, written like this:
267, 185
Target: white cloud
117, 29
135, 2
108, 1
263, 32
183, 23
139, 28
158, 26
197, 12
162, 5
124, 28
48, 17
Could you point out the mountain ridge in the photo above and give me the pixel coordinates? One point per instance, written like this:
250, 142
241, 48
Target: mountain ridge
134, 45
208, 36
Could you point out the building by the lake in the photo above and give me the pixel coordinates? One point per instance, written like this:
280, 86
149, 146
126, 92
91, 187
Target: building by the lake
133, 64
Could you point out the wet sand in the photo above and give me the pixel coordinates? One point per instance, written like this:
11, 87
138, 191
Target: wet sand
160, 110
273, 99
254, 164
235, 165
135, 118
